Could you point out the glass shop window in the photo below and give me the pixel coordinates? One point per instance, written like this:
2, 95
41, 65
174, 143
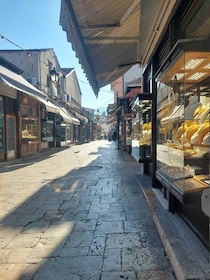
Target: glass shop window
47, 131
183, 121
63, 133
30, 129
68, 132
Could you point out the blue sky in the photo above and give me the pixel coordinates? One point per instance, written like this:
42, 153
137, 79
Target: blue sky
34, 24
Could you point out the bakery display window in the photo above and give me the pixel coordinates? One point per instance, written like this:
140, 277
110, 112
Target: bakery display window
183, 122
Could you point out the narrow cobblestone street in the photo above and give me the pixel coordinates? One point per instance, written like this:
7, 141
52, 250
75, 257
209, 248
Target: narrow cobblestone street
78, 214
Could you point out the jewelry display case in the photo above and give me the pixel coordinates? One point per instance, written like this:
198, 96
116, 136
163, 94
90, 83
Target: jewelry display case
142, 128
183, 121
29, 129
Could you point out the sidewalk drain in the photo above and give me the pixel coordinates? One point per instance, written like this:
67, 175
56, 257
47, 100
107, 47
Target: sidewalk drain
92, 167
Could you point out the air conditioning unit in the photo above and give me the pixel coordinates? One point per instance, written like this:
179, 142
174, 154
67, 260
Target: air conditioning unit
64, 97
32, 80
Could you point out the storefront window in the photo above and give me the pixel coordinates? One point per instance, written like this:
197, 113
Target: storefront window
63, 133
29, 111
183, 122
47, 131
29, 129
135, 130
142, 128
29, 120
68, 132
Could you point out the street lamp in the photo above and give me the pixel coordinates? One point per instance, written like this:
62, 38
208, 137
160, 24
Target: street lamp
54, 75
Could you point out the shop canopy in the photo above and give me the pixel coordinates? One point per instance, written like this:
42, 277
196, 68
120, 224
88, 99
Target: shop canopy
80, 116
67, 116
109, 37
17, 82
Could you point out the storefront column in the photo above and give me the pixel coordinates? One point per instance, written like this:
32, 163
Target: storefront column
154, 125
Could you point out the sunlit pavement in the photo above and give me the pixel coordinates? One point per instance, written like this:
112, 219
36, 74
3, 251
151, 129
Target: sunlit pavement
78, 214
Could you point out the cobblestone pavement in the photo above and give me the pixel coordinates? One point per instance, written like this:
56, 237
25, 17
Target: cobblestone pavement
78, 214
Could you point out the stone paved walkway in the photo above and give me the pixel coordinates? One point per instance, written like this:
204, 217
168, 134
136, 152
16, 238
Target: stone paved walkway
78, 214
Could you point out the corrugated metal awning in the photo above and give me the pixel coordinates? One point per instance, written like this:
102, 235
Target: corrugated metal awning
109, 37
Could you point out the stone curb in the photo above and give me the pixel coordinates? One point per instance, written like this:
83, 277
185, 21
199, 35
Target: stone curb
182, 260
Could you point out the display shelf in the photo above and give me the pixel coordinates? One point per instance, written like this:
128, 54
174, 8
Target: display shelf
142, 127
183, 187
189, 185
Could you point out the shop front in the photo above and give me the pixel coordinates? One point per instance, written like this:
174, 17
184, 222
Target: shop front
8, 120
80, 127
65, 134
178, 76
30, 117
29, 125
47, 128
142, 130
66, 126
124, 125
183, 130
173, 50
8, 128
50, 124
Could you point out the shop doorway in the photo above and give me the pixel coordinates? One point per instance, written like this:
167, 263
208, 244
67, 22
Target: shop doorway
10, 137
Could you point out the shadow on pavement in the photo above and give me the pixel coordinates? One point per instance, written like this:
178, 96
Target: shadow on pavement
61, 230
